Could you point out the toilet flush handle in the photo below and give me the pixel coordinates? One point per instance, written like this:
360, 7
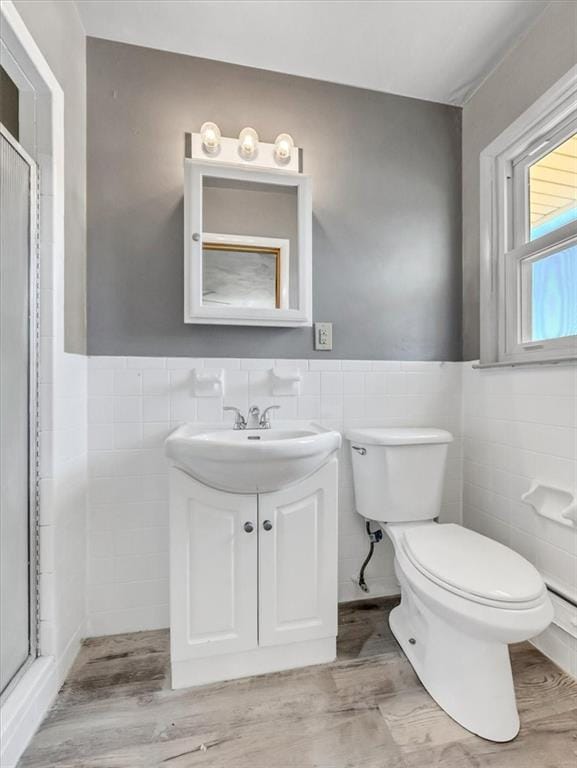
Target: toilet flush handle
359, 449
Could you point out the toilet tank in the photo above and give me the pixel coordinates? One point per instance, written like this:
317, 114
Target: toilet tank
398, 473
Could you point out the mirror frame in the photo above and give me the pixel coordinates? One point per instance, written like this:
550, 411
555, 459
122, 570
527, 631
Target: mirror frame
197, 312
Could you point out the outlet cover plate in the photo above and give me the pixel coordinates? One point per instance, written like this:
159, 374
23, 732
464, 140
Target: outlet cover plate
323, 336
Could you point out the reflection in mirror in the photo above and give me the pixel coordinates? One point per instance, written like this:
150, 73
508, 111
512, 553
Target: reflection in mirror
260, 215
245, 271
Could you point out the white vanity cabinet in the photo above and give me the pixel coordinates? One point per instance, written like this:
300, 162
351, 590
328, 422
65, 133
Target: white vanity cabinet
253, 578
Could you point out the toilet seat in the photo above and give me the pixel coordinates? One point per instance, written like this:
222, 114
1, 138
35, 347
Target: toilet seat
473, 566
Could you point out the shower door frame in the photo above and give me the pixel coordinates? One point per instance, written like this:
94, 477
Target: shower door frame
33, 417
41, 132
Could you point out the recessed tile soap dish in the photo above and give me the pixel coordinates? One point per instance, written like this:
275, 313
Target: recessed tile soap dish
553, 503
285, 382
208, 382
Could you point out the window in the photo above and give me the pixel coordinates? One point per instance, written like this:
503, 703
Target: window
529, 234
552, 189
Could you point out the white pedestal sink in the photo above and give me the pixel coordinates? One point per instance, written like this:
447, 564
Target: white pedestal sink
251, 460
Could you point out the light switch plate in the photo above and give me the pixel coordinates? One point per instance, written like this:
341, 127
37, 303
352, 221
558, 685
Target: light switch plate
324, 336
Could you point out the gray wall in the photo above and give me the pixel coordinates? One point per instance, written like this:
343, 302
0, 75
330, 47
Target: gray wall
531, 68
58, 32
387, 207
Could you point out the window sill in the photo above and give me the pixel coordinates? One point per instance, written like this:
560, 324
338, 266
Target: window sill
527, 363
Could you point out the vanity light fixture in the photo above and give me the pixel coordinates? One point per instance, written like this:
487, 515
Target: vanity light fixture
283, 147
210, 134
248, 143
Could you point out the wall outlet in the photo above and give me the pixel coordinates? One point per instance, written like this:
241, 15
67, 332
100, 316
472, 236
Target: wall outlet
323, 336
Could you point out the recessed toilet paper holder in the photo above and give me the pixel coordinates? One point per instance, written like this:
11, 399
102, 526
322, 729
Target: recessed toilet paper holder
553, 503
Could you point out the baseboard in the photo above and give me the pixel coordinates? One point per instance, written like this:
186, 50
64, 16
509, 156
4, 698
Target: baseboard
559, 641
26, 706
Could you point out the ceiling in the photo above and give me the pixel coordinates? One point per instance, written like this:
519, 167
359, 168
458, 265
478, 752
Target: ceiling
438, 50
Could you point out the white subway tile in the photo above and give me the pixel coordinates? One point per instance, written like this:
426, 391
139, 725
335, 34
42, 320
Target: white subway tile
100, 437
100, 410
353, 407
127, 435
311, 383
353, 383
324, 365
101, 382
155, 382
259, 386
155, 408
256, 364
145, 362
101, 361
185, 363
154, 434
356, 365
209, 409
331, 407
331, 383
228, 363
183, 409
127, 382
309, 407
396, 383
288, 408
127, 409
375, 384
299, 365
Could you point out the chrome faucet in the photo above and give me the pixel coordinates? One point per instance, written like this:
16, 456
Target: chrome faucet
264, 422
255, 419
239, 420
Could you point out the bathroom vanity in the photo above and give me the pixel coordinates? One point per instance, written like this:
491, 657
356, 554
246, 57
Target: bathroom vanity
253, 550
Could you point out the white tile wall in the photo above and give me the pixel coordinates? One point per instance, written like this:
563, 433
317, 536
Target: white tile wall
135, 402
518, 425
515, 424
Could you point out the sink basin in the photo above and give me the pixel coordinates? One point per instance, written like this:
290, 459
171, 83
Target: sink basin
251, 460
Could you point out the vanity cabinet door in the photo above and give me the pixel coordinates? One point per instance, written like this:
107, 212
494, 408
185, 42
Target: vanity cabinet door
298, 560
213, 570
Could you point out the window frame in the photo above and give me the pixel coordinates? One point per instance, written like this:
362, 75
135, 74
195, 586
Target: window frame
504, 222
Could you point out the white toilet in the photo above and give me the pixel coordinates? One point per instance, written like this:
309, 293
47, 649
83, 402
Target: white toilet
464, 597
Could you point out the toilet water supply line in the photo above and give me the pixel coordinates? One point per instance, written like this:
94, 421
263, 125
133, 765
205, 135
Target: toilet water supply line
374, 538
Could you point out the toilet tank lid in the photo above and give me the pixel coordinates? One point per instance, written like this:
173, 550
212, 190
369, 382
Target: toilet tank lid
398, 435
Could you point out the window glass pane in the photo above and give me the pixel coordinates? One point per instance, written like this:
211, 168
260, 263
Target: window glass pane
553, 189
554, 295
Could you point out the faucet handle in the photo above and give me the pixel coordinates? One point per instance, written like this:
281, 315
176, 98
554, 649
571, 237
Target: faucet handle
239, 420
264, 422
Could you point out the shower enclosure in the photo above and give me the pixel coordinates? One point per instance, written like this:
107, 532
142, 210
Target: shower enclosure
18, 419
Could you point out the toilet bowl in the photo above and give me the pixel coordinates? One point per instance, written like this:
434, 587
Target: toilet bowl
464, 597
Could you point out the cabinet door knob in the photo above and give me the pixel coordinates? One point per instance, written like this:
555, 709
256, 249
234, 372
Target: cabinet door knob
248, 527
267, 525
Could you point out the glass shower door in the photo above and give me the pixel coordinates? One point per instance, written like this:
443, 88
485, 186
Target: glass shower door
17, 410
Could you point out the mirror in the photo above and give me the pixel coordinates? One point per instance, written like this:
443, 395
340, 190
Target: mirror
247, 246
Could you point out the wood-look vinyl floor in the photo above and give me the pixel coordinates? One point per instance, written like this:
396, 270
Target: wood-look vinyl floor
365, 710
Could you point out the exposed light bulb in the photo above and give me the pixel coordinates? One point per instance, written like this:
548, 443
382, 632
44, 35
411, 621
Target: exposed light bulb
248, 143
283, 148
210, 134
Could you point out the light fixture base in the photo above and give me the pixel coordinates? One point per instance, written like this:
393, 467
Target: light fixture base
229, 154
